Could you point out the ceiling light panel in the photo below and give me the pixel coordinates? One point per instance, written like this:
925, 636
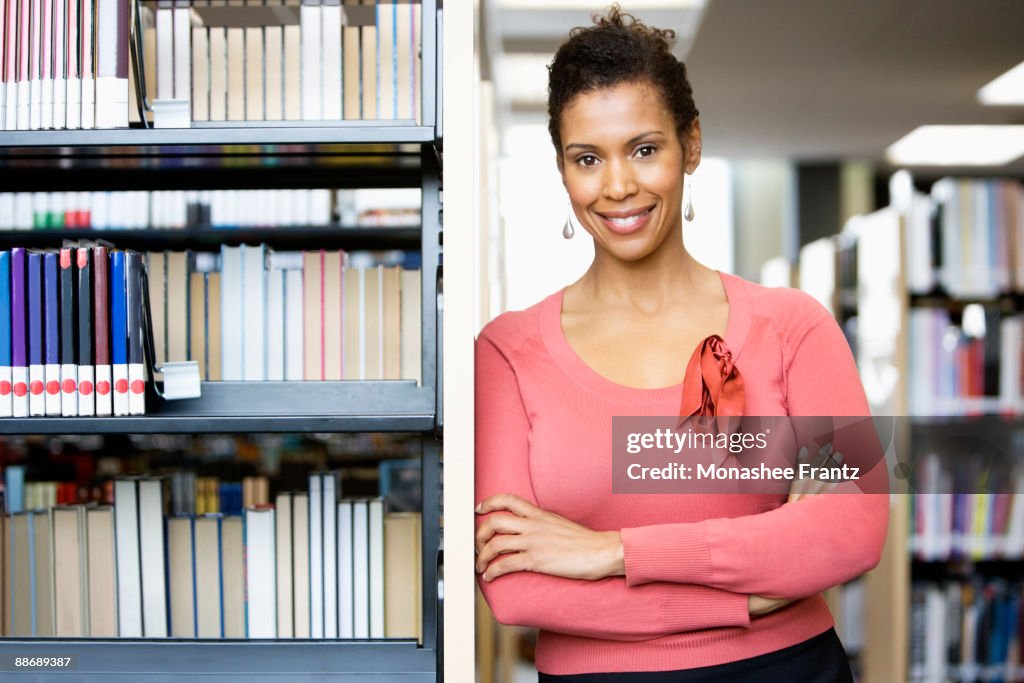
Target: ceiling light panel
958, 146
1007, 89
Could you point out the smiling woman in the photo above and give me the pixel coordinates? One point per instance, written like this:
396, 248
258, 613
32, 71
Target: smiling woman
670, 587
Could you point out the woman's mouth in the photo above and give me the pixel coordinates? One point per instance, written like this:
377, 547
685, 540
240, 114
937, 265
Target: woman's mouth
626, 222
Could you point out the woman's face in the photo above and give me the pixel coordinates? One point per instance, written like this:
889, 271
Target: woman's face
623, 163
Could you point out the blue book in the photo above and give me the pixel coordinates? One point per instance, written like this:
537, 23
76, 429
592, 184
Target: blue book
19, 338
119, 331
6, 388
36, 369
51, 333
14, 487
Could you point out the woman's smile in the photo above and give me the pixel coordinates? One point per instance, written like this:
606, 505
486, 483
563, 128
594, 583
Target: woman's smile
626, 222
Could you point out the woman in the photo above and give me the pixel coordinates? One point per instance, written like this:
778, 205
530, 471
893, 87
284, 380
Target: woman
633, 587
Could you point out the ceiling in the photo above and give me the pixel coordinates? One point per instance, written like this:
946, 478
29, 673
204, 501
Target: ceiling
810, 81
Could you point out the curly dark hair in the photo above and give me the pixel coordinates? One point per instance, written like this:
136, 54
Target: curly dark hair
617, 49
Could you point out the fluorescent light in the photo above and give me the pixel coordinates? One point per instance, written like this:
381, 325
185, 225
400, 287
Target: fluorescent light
1007, 89
591, 5
958, 146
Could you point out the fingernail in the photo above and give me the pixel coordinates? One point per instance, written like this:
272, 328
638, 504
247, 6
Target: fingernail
479, 507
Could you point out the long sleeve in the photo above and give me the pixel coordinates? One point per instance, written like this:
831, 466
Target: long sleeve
797, 549
608, 608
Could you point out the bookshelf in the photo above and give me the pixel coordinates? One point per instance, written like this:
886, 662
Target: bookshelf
251, 155
920, 310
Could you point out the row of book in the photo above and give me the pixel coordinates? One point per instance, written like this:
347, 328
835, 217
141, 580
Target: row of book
190, 495
72, 332
968, 631
309, 566
65, 64
284, 61
949, 523
252, 314
951, 364
967, 238
172, 209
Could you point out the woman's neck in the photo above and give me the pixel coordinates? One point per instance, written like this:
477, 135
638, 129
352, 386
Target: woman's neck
649, 284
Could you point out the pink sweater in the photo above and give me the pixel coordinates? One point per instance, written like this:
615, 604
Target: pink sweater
544, 432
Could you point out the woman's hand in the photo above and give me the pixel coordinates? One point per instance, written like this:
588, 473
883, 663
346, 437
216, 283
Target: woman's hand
520, 537
758, 605
803, 488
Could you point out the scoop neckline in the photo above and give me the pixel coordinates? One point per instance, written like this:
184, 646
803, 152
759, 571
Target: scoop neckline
574, 366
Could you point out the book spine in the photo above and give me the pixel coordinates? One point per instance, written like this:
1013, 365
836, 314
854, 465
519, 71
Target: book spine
19, 340
36, 368
101, 330
35, 57
119, 332
60, 65
51, 285
46, 67
87, 59
24, 90
136, 333
68, 327
86, 370
73, 103
6, 388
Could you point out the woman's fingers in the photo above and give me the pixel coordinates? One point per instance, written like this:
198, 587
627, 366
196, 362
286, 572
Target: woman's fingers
507, 564
497, 524
509, 502
498, 545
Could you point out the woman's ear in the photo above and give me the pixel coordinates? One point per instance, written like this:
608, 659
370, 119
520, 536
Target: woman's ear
692, 147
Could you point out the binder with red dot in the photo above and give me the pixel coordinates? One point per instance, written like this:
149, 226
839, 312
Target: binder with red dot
68, 334
36, 367
104, 390
86, 375
51, 316
19, 339
136, 332
6, 388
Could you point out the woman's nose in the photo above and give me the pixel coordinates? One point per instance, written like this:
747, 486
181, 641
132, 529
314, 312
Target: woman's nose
619, 181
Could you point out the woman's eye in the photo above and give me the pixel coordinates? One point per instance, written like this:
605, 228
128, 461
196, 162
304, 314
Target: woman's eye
587, 160
645, 150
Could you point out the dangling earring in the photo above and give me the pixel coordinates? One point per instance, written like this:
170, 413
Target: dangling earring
688, 209
567, 230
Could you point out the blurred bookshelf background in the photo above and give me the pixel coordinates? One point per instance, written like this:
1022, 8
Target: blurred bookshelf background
872, 154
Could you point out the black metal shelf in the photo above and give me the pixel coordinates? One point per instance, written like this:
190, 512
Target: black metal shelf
225, 407
103, 661
290, 238
222, 133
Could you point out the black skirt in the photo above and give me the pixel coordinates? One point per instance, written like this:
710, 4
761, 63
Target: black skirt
821, 659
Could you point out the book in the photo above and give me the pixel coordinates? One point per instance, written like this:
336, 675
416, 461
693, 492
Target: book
260, 563
36, 343
312, 84
20, 552
232, 313
51, 333
285, 590
102, 565
368, 61
346, 587
152, 556
126, 536
300, 564
101, 331
70, 560
375, 524
86, 369
234, 580
156, 267
351, 68
119, 331
360, 569
332, 263
293, 324
313, 330
44, 571
254, 314
19, 336
68, 335
410, 325
275, 324
330, 59
180, 582
87, 58
403, 575
330, 489
136, 334
6, 386
316, 559
177, 306
209, 619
